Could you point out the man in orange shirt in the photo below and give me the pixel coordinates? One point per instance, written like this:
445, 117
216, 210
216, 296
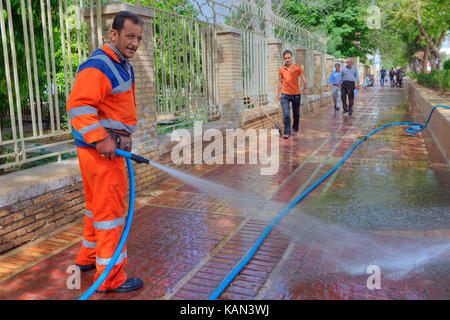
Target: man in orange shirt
289, 91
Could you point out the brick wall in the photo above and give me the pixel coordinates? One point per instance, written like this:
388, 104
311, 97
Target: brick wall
27, 220
421, 101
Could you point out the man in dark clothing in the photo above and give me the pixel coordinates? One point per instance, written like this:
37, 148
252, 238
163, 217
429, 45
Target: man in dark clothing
391, 76
349, 76
382, 74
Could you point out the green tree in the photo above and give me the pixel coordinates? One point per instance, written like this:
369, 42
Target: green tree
421, 26
342, 22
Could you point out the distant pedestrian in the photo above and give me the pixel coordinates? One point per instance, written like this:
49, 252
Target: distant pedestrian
382, 75
289, 91
334, 81
400, 75
391, 76
349, 77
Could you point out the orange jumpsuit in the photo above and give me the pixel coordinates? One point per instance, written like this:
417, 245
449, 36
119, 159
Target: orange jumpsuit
103, 97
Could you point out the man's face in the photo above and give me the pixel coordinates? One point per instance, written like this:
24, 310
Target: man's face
287, 59
349, 62
128, 40
338, 67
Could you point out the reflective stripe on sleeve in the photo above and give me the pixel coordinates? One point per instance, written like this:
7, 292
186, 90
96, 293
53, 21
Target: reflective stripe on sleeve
79, 111
89, 128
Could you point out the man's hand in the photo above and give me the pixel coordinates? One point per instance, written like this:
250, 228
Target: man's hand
107, 148
339, 85
279, 97
304, 90
358, 87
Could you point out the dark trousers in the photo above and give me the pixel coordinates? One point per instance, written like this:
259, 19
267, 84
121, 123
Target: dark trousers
285, 100
348, 89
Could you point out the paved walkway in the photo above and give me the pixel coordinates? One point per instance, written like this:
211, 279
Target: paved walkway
391, 198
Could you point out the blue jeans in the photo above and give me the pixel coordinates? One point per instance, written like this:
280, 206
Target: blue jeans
285, 106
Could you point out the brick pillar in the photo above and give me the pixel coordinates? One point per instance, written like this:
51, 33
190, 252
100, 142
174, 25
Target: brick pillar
230, 79
362, 73
275, 61
329, 68
356, 62
317, 89
305, 60
144, 138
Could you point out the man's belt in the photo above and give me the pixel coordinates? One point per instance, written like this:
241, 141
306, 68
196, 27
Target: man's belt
117, 135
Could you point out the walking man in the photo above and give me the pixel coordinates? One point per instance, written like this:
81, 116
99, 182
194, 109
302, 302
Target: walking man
102, 109
334, 80
391, 76
347, 81
382, 74
289, 91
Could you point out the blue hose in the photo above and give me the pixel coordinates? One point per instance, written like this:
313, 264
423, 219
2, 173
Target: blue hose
415, 128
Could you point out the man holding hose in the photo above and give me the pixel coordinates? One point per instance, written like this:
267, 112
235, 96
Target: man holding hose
102, 109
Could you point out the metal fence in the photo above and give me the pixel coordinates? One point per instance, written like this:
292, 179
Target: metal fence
185, 69
43, 43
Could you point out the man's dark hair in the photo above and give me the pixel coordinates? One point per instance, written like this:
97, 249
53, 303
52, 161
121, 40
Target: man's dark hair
285, 52
120, 18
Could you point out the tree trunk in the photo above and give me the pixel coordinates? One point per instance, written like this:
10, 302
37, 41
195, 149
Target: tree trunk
415, 65
433, 45
424, 62
433, 60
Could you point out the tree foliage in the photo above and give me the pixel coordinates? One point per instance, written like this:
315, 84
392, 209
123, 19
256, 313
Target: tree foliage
416, 29
342, 22
182, 7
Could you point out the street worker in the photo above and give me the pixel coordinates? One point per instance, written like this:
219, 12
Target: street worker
289, 92
334, 80
102, 109
347, 81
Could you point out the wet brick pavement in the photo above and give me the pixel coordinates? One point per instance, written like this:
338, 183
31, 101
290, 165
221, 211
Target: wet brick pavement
393, 190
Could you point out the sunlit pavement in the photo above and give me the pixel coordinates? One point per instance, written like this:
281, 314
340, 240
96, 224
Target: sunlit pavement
393, 191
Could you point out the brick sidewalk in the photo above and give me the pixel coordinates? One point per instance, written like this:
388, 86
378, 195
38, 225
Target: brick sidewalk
184, 243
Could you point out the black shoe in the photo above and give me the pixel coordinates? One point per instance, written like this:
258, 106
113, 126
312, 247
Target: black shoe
130, 284
85, 268
286, 136
344, 111
336, 107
